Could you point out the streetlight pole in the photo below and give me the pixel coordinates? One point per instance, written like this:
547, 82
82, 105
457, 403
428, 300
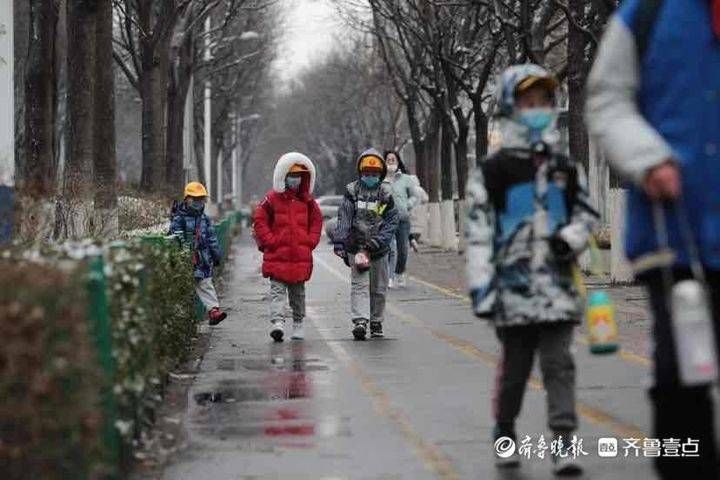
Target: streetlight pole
7, 121
207, 151
237, 157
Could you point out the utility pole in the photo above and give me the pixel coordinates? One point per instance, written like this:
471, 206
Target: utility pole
188, 133
234, 159
7, 122
207, 155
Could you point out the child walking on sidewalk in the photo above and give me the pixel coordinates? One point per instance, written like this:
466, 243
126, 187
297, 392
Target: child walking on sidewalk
528, 220
287, 226
367, 220
193, 227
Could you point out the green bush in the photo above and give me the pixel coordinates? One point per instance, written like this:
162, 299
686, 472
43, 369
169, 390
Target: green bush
50, 415
63, 401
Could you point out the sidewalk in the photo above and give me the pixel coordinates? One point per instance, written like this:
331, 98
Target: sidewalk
447, 270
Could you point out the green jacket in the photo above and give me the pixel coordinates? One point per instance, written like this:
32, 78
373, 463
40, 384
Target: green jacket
403, 192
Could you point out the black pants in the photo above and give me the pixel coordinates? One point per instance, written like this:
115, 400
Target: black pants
680, 412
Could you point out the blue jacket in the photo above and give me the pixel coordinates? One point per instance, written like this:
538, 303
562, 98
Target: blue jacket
663, 105
196, 231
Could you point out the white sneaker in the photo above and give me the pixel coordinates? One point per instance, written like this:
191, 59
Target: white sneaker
566, 466
277, 331
298, 332
401, 281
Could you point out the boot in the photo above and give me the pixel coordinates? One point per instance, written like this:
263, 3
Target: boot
216, 316
277, 331
359, 330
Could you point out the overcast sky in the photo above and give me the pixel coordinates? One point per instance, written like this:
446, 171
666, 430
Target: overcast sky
310, 26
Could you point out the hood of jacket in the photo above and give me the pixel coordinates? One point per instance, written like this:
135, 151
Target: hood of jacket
371, 152
282, 167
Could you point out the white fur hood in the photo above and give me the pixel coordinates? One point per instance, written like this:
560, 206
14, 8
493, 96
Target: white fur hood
282, 167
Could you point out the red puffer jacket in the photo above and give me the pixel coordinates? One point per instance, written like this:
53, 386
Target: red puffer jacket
287, 229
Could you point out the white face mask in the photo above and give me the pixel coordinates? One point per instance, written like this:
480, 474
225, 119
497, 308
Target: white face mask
392, 168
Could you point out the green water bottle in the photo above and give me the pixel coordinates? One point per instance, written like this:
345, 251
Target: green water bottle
602, 327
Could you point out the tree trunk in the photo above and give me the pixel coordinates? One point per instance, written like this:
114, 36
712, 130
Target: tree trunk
461, 154
105, 161
577, 75
430, 142
178, 89
481, 129
153, 91
38, 178
78, 177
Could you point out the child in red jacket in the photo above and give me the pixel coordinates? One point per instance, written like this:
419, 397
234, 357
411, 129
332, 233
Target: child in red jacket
287, 226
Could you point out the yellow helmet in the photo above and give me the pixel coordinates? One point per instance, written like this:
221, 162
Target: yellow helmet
195, 189
371, 162
298, 167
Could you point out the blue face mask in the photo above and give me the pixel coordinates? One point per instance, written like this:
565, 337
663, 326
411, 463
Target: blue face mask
293, 183
537, 119
370, 181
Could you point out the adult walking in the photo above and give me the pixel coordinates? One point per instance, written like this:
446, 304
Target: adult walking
654, 106
404, 192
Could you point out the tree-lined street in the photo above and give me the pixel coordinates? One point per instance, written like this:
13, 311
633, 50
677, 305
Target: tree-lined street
415, 404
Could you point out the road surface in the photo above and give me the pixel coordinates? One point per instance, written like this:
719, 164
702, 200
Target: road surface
414, 405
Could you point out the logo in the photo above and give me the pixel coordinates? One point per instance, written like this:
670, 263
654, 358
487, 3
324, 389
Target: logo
607, 447
504, 447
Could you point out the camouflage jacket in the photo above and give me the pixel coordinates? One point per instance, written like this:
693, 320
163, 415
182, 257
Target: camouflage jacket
515, 206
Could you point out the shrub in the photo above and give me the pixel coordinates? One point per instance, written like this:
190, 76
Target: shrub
50, 415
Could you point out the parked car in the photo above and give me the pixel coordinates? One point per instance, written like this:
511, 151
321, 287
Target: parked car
329, 205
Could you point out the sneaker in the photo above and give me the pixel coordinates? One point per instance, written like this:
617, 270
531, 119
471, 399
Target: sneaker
401, 281
298, 332
359, 331
502, 445
566, 466
277, 332
216, 316
391, 283
376, 330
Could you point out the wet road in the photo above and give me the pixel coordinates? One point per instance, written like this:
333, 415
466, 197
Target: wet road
415, 405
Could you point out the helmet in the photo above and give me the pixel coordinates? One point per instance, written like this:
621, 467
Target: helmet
298, 168
195, 189
519, 78
371, 162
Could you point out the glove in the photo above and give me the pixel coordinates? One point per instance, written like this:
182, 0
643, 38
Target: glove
216, 262
373, 245
561, 249
477, 297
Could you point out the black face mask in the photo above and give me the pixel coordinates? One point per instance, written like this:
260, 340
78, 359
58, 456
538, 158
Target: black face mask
196, 206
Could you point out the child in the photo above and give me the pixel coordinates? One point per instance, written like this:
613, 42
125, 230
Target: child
287, 226
528, 220
190, 223
367, 220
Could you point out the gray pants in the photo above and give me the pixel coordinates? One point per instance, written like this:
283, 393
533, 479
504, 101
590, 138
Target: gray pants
367, 290
552, 341
205, 290
283, 293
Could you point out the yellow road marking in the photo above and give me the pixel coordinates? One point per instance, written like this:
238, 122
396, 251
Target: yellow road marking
594, 415
624, 354
433, 458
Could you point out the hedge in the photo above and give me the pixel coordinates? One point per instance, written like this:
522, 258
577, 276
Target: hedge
90, 331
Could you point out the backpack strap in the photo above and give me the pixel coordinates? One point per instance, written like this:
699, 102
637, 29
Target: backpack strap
645, 24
